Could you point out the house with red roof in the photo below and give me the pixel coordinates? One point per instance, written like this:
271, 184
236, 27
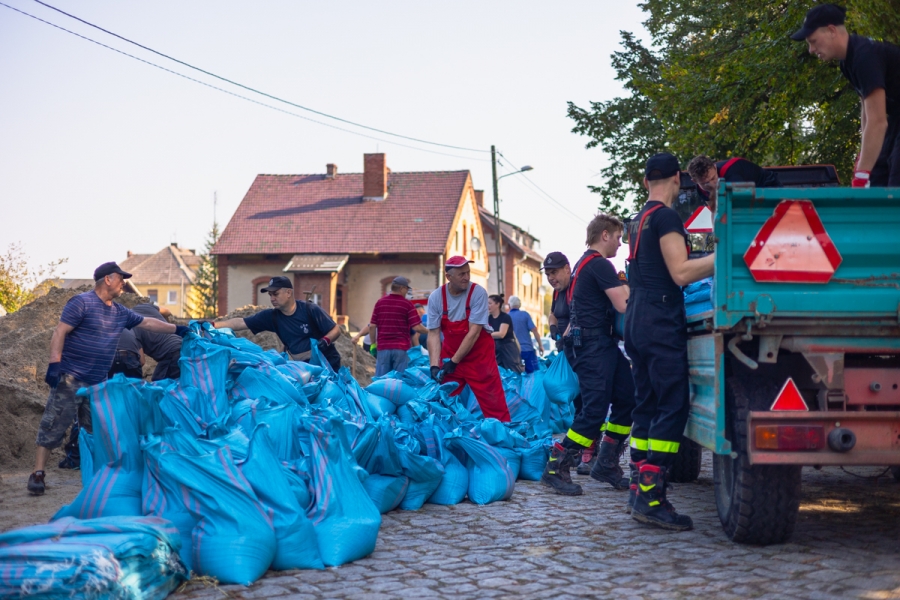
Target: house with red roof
342, 237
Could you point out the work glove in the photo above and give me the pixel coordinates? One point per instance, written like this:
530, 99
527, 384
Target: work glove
554, 332
53, 374
436, 373
860, 179
182, 330
447, 368
324, 343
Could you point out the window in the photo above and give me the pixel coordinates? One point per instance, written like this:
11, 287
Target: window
173, 297
465, 240
456, 242
153, 295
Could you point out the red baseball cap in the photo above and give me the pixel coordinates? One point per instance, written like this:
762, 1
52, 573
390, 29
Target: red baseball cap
456, 261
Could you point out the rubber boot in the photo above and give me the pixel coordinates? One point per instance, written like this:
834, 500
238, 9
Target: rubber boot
633, 484
607, 468
588, 459
651, 506
556, 473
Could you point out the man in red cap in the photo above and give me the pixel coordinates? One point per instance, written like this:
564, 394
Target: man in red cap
458, 310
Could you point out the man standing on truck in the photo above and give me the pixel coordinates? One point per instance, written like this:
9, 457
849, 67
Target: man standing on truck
594, 295
873, 69
656, 342
297, 324
706, 174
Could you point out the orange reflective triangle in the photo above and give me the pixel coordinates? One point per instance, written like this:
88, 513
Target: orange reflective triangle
792, 246
700, 221
789, 398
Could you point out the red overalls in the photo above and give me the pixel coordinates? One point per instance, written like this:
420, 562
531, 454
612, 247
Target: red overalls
478, 369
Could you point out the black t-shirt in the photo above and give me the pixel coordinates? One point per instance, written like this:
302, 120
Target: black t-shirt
648, 271
309, 322
742, 170
871, 65
592, 306
560, 309
156, 345
495, 324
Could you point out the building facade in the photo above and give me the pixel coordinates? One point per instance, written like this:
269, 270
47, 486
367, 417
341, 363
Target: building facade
165, 277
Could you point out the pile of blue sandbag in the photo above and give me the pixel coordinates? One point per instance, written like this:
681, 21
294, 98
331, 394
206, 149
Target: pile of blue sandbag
698, 297
113, 557
260, 462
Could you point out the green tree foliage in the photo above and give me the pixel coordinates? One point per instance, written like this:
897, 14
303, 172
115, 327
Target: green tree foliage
21, 284
724, 79
205, 290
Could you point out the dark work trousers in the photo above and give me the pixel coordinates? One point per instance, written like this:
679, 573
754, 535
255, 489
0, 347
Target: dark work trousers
128, 363
656, 342
604, 377
570, 356
168, 367
886, 172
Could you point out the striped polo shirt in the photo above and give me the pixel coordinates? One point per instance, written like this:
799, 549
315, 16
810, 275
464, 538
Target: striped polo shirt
90, 348
394, 316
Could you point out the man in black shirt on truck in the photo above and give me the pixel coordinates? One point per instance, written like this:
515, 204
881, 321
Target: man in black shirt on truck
873, 69
706, 174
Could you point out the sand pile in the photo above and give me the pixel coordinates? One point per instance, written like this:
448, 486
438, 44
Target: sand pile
24, 353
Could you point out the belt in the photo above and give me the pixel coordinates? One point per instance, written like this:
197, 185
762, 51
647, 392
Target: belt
596, 331
668, 297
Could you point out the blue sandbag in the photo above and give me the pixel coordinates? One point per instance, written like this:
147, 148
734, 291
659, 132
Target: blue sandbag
424, 472
379, 405
490, 478
301, 371
344, 517
560, 381
254, 382
297, 546
394, 390
386, 491
534, 459
531, 388
208, 373
497, 434
114, 557
513, 459
86, 451
233, 540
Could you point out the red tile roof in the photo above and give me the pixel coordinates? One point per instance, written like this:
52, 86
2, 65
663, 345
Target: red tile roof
171, 265
308, 214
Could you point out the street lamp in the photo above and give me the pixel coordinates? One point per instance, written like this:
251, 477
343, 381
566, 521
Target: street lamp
497, 243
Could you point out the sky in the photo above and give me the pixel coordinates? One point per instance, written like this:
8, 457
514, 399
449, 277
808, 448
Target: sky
101, 154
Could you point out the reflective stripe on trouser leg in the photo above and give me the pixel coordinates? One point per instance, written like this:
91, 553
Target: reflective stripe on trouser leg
663, 446
579, 439
595, 364
622, 430
639, 444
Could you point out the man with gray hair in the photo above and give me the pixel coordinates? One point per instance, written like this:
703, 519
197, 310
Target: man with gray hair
524, 328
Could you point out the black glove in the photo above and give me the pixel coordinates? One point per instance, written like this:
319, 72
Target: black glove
182, 330
53, 373
554, 332
436, 373
324, 343
560, 343
447, 368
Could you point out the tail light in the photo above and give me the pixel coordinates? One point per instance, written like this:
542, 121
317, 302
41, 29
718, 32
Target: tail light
790, 437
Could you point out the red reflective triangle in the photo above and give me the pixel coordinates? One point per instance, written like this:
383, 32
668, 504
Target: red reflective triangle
789, 398
700, 221
792, 246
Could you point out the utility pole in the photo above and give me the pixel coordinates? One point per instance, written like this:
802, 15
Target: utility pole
498, 244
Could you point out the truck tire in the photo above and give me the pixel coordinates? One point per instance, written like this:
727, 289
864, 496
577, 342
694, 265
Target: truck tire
687, 462
895, 471
756, 504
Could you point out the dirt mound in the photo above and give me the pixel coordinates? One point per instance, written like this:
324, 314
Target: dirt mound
362, 369
24, 353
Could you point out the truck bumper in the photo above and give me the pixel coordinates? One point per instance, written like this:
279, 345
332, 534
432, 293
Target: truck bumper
877, 436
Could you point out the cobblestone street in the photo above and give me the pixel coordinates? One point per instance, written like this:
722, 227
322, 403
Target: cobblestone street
538, 545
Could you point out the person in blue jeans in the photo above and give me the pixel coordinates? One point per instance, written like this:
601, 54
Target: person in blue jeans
524, 328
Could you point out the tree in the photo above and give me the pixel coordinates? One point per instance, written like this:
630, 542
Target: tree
205, 289
724, 79
19, 283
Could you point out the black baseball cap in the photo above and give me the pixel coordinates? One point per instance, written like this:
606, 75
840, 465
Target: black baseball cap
108, 269
661, 166
277, 283
555, 260
820, 16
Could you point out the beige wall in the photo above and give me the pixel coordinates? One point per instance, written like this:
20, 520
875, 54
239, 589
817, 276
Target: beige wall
530, 295
363, 283
240, 288
468, 224
182, 294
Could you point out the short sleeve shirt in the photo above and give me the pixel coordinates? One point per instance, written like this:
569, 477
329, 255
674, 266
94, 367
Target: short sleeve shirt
742, 170
495, 324
522, 326
456, 307
393, 317
90, 348
648, 271
871, 65
309, 322
560, 309
593, 308
157, 346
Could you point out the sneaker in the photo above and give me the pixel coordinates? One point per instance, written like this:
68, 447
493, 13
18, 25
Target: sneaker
36, 483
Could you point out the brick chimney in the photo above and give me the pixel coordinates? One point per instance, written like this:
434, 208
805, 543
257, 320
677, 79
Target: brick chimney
330, 171
375, 178
479, 198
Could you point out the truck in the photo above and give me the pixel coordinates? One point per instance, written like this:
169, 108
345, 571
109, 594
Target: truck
796, 361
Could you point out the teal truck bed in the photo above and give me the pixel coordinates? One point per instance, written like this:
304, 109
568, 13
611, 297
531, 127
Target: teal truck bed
798, 363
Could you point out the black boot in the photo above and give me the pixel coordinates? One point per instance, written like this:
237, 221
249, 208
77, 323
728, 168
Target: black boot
633, 485
588, 459
607, 468
556, 473
651, 506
